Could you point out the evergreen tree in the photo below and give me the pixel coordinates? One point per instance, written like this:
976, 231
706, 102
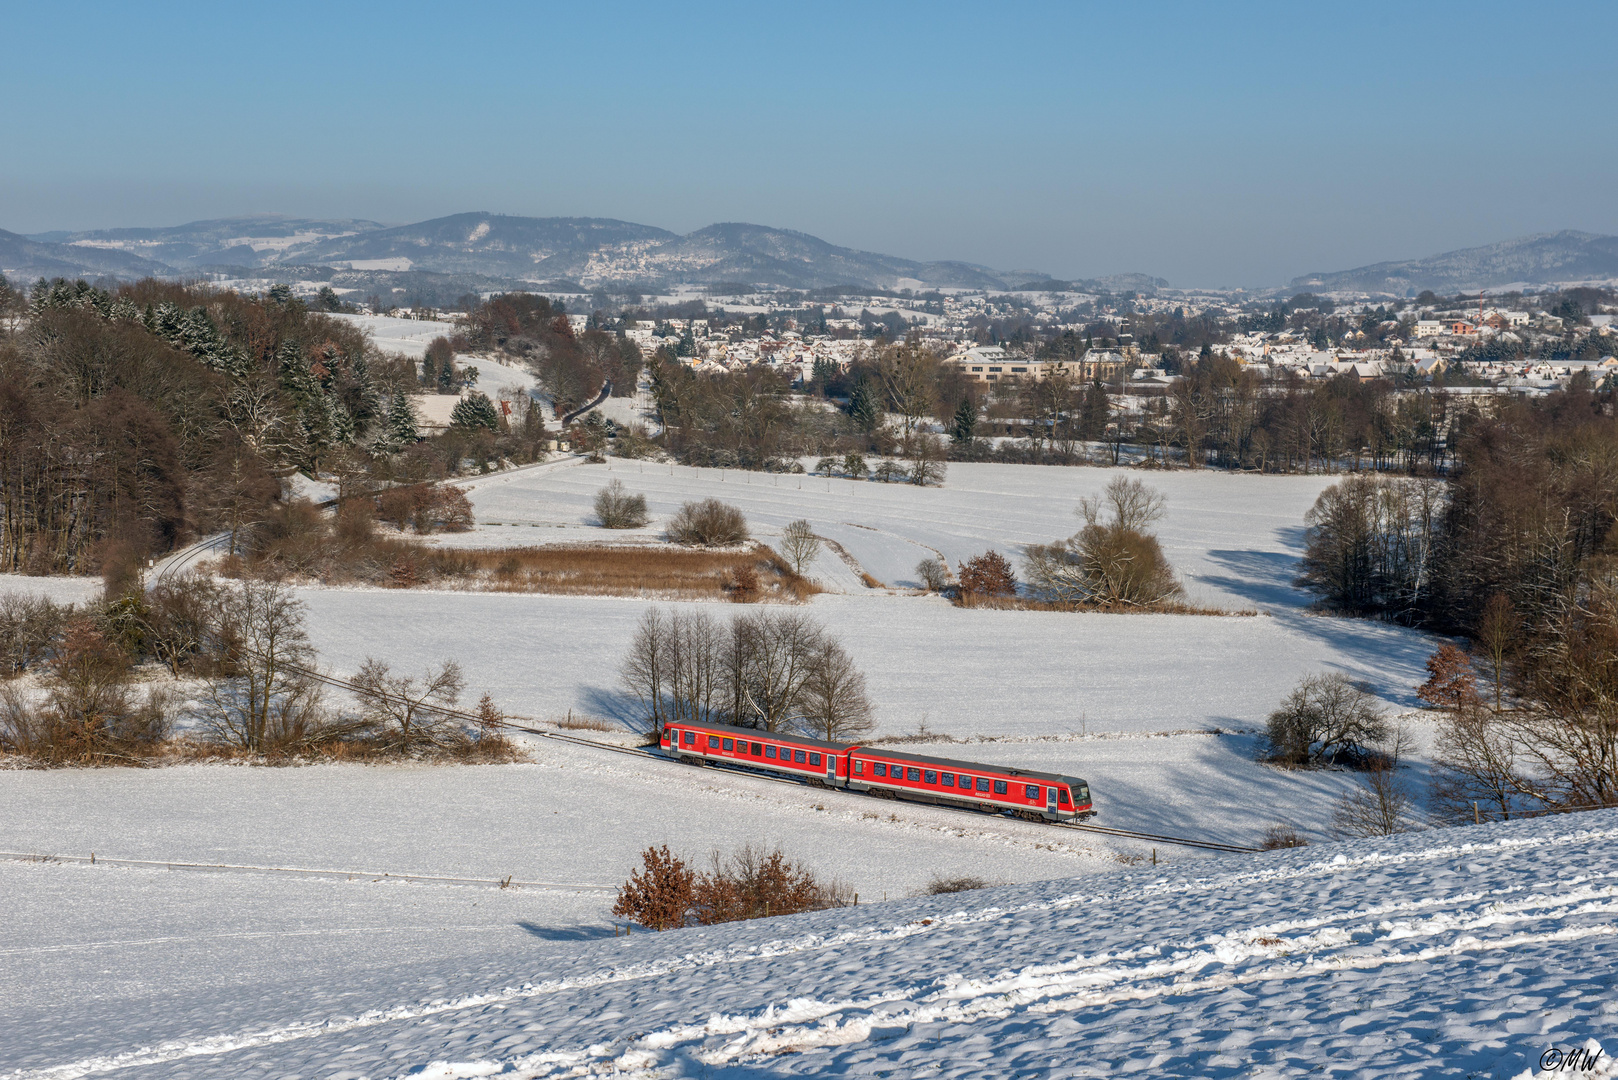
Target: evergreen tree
1095, 411
965, 422
863, 408
474, 411
446, 376
429, 372
401, 426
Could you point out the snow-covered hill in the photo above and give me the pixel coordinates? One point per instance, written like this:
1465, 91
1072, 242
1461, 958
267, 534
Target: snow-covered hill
1478, 952
1546, 258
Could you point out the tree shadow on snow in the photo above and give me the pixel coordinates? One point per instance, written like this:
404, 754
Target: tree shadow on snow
1263, 578
616, 705
563, 933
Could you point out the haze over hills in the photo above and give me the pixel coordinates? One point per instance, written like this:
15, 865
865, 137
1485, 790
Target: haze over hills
1543, 259
595, 252
481, 252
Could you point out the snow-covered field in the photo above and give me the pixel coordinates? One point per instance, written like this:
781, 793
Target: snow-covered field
1471, 953
1103, 968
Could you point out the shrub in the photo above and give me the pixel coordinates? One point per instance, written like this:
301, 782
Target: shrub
28, 627
426, 507
933, 575
89, 715
940, 886
616, 508
709, 523
1111, 563
660, 894
1281, 836
757, 884
987, 575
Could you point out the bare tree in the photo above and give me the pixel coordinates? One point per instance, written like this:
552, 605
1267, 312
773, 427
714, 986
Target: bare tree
1497, 634
264, 697
1134, 505
933, 574
771, 670
835, 705
1324, 718
1475, 765
409, 710
909, 378
1112, 562
777, 650
1382, 804
800, 545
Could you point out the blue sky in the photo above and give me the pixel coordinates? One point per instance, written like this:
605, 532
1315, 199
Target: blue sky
1212, 144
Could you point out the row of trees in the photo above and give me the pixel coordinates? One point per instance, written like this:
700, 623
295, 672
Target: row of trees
535, 331
133, 418
773, 670
1514, 552
262, 696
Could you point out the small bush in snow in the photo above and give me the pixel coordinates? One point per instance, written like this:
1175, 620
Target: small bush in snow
709, 523
616, 508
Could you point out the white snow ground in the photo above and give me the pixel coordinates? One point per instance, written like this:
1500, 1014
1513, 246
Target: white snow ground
102, 961
1468, 953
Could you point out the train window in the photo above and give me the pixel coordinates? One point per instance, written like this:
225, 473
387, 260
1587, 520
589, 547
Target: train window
999, 787
730, 744
949, 779
798, 756
1030, 791
1061, 796
814, 759
880, 769
913, 775
859, 768
930, 776
713, 741
690, 738
769, 751
757, 749
983, 785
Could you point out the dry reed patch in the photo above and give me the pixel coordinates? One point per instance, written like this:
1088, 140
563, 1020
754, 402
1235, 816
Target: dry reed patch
751, 574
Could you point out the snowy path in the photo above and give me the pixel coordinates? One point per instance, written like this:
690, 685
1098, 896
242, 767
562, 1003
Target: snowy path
1467, 953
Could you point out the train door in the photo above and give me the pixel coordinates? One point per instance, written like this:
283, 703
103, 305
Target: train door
1050, 801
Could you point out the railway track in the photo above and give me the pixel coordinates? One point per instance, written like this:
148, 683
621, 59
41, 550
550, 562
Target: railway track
510, 724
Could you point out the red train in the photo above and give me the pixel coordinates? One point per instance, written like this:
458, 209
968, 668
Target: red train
1033, 795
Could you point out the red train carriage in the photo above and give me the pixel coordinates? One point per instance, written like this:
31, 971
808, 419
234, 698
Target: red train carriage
1048, 796
944, 781
778, 752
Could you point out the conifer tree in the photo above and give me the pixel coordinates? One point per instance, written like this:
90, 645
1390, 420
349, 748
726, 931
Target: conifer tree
863, 408
474, 411
401, 426
965, 421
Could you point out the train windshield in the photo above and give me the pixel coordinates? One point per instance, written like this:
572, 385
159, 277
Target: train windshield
1081, 794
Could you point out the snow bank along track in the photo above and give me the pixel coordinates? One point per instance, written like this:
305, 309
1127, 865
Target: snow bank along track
658, 756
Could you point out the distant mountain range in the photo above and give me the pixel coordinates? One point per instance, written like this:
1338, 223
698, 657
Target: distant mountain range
442, 258
1544, 259
590, 252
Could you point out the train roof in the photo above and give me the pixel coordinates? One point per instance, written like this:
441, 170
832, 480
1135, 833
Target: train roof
969, 766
